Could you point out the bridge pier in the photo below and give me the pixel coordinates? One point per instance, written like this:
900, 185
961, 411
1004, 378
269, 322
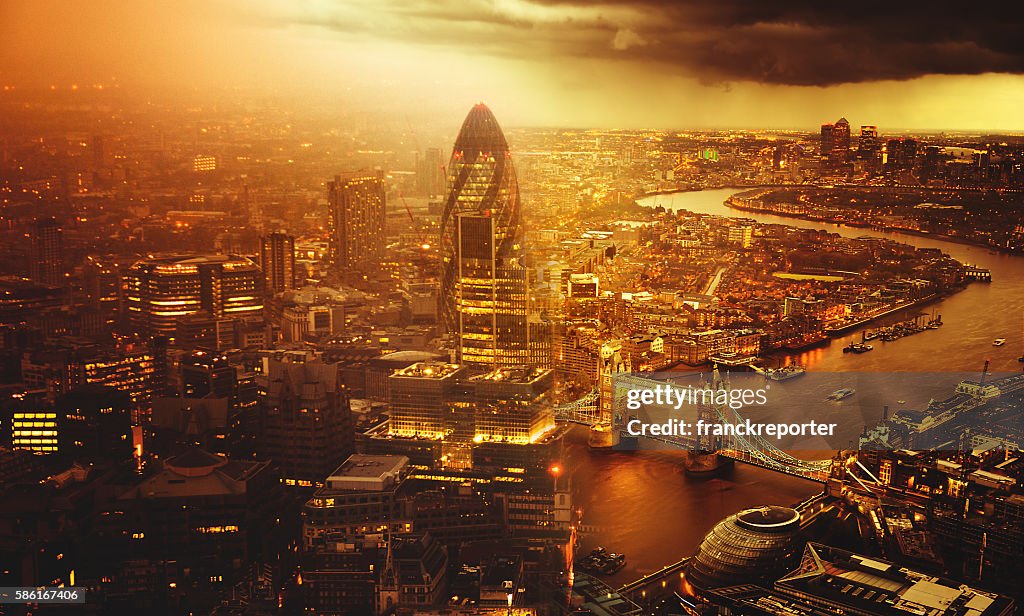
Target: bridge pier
602, 436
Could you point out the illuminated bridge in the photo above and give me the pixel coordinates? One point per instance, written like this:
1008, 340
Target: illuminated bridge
750, 449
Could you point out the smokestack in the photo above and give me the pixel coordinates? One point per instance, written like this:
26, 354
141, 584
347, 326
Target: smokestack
984, 373
885, 412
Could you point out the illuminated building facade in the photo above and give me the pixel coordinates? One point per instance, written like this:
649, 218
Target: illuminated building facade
513, 405
420, 395
35, 430
161, 290
277, 260
202, 163
88, 424
356, 212
868, 146
484, 286
60, 370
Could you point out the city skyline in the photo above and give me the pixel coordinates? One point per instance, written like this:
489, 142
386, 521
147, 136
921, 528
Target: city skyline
319, 308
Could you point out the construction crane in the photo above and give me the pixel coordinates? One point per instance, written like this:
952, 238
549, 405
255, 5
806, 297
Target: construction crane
422, 238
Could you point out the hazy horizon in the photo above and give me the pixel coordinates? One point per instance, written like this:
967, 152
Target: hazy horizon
545, 63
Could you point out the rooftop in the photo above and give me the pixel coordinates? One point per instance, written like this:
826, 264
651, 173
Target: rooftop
369, 466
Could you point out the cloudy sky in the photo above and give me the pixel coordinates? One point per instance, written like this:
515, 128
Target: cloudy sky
607, 63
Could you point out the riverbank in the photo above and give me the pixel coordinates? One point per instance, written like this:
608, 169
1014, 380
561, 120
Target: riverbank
918, 303
736, 202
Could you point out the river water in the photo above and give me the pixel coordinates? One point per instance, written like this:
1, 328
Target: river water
641, 504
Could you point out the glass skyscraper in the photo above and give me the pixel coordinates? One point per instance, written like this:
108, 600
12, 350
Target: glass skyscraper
485, 287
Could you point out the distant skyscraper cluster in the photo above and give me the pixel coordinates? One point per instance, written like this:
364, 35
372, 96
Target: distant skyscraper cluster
835, 142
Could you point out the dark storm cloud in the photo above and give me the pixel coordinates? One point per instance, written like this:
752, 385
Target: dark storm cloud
795, 42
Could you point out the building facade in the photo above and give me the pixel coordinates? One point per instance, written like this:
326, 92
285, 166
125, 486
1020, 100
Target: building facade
277, 260
484, 284
161, 290
356, 210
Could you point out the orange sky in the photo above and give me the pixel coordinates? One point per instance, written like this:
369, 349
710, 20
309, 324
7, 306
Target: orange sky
535, 62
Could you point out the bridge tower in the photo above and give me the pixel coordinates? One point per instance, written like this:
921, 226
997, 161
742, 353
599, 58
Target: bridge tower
611, 362
706, 460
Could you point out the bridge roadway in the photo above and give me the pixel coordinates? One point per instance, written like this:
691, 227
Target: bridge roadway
756, 450
753, 450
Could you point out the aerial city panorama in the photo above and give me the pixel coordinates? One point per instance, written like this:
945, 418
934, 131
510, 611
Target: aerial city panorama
511, 308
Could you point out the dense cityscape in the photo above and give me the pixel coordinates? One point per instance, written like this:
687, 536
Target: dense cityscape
265, 356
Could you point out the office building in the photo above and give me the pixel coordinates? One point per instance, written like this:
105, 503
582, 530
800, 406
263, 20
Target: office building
89, 424
830, 580
420, 395
192, 526
835, 142
484, 286
513, 405
900, 154
161, 290
47, 258
827, 140
101, 281
868, 146
277, 260
430, 177
355, 219
306, 421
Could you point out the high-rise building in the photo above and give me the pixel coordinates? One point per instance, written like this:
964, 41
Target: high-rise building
306, 420
204, 373
513, 405
900, 153
47, 265
840, 142
827, 140
484, 286
101, 281
161, 290
430, 174
420, 397
867, 145
277, 260
356, 220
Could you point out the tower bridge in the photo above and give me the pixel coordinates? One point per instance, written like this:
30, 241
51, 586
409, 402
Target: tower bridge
750, 449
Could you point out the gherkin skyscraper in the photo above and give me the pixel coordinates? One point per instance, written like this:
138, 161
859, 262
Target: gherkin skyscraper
484, 286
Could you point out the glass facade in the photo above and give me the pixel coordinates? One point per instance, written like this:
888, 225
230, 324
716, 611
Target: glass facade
750, 547
485, 290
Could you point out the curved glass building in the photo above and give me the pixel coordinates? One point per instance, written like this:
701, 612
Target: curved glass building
484, 287
755, 546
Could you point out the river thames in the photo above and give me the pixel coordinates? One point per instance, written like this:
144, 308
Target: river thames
641, 504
